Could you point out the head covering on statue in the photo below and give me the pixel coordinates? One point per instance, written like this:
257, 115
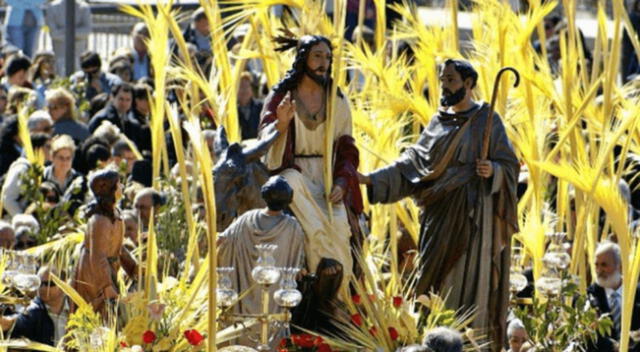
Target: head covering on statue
104, 186
277, 193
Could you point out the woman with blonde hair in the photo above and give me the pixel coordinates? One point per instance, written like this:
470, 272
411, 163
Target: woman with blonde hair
60, 171
61, 105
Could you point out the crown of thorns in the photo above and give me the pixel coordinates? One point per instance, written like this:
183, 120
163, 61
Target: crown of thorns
286, 40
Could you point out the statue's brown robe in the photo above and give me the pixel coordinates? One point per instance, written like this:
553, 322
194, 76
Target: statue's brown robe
466, 221
100, 259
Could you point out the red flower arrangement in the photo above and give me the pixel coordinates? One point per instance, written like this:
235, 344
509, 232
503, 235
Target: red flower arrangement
393, 333
303, 342
356, 319
356, 299
194, 337
397, 301
148, 336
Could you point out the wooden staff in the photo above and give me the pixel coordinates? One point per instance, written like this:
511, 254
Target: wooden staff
489, 125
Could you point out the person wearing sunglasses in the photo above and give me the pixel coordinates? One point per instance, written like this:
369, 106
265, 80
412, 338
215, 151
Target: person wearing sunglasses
45, 318
90, 78
61, 172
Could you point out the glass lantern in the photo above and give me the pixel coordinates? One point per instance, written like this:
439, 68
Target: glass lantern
517, 282
26, 280
11, 268
549, 286
265, 271
287, 295
225, 293
556, 257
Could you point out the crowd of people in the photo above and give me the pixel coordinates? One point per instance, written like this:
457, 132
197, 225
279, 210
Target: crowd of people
93, 131
83, 125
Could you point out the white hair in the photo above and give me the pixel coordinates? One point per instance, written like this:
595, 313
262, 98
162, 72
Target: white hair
25, 220
37, 117
5, 225
515, 324
610, 247
443, 339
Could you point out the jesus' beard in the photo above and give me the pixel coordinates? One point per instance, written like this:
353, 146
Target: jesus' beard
318, 76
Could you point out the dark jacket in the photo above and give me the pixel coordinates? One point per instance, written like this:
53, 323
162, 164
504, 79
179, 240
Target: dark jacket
35, 323
129, 125
249, 127
598, 299
107, 81
77, 130
9, 152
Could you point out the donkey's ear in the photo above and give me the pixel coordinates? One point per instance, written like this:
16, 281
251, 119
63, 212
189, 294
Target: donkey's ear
221, 143
269, 136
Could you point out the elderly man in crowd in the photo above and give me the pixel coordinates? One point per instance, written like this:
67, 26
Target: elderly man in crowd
146, 200
606, 296
438, 340
25, 226
45, 319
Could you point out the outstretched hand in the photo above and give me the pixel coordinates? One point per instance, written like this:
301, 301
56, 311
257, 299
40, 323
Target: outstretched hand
363, 179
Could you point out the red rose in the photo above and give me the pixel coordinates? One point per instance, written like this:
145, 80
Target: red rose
306, 341
295, 339
193, 336
303, 340
148, 336
323, 347
356, 299
357, 319
397, 301
123, 344
373, 331
393, 333
283, 342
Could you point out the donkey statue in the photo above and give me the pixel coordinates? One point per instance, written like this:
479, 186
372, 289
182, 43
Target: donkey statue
238, 175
